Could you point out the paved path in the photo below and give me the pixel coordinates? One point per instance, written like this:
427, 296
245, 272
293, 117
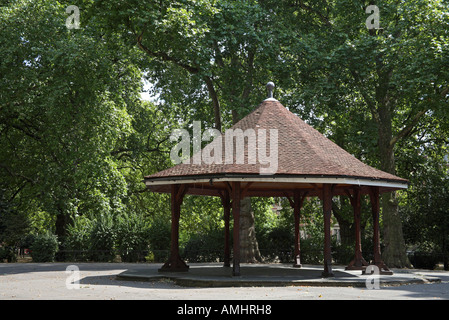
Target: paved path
273, 275
32, 281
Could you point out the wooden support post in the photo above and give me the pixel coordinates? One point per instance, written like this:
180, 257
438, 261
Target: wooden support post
297, 213
296, 204
227, 212
375, 206
358, 263
374, 195
236, 215
175, 263
327, 209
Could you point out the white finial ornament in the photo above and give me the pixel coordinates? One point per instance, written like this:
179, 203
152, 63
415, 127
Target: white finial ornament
270, 88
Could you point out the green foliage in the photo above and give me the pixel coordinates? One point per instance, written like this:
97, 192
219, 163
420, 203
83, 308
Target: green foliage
3, 254
207, 247
14, 224
8, 254
277, 244
27, 241
200, 215
44, 247
342, 254
102, 239
311, 251
425, 213
132, 238
159, 235
425, 260
64, 98
77, 241
76, 139
313, 221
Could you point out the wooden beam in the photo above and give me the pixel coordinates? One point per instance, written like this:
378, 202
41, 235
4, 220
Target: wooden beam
317, 190
181, 192
292, 203
228, 187
303, 197
244, 191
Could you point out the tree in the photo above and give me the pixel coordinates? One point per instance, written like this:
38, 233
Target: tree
14, 224
63, 97
424, 208
76, 139
224, 49
392, 76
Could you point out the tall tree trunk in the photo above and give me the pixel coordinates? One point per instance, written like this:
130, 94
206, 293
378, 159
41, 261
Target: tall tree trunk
249, 247
215, 102
347, 234
394, 253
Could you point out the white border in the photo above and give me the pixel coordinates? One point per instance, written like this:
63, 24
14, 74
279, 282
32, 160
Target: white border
350, 181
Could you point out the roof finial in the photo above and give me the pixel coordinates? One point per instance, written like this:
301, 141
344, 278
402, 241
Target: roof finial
270, 88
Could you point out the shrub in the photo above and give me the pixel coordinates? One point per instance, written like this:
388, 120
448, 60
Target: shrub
276, 243
102, 239
8, 254
207, 247
44, 247
342, 253
160, 237
282, 243
423, 260
27, 241
132, 238
311, 251
77, 242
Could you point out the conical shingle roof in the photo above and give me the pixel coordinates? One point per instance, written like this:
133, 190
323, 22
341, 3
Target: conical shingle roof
305, 159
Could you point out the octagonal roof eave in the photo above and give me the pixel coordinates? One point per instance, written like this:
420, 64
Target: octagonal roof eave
272, 185
297, 179
306, 159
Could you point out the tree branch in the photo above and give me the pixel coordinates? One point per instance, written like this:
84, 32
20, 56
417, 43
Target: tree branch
408, 128
444, 92
247, 90
26, 132
191, 69
165, 57
369, 102
14, 174
323, 18
158, 144
216, 104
